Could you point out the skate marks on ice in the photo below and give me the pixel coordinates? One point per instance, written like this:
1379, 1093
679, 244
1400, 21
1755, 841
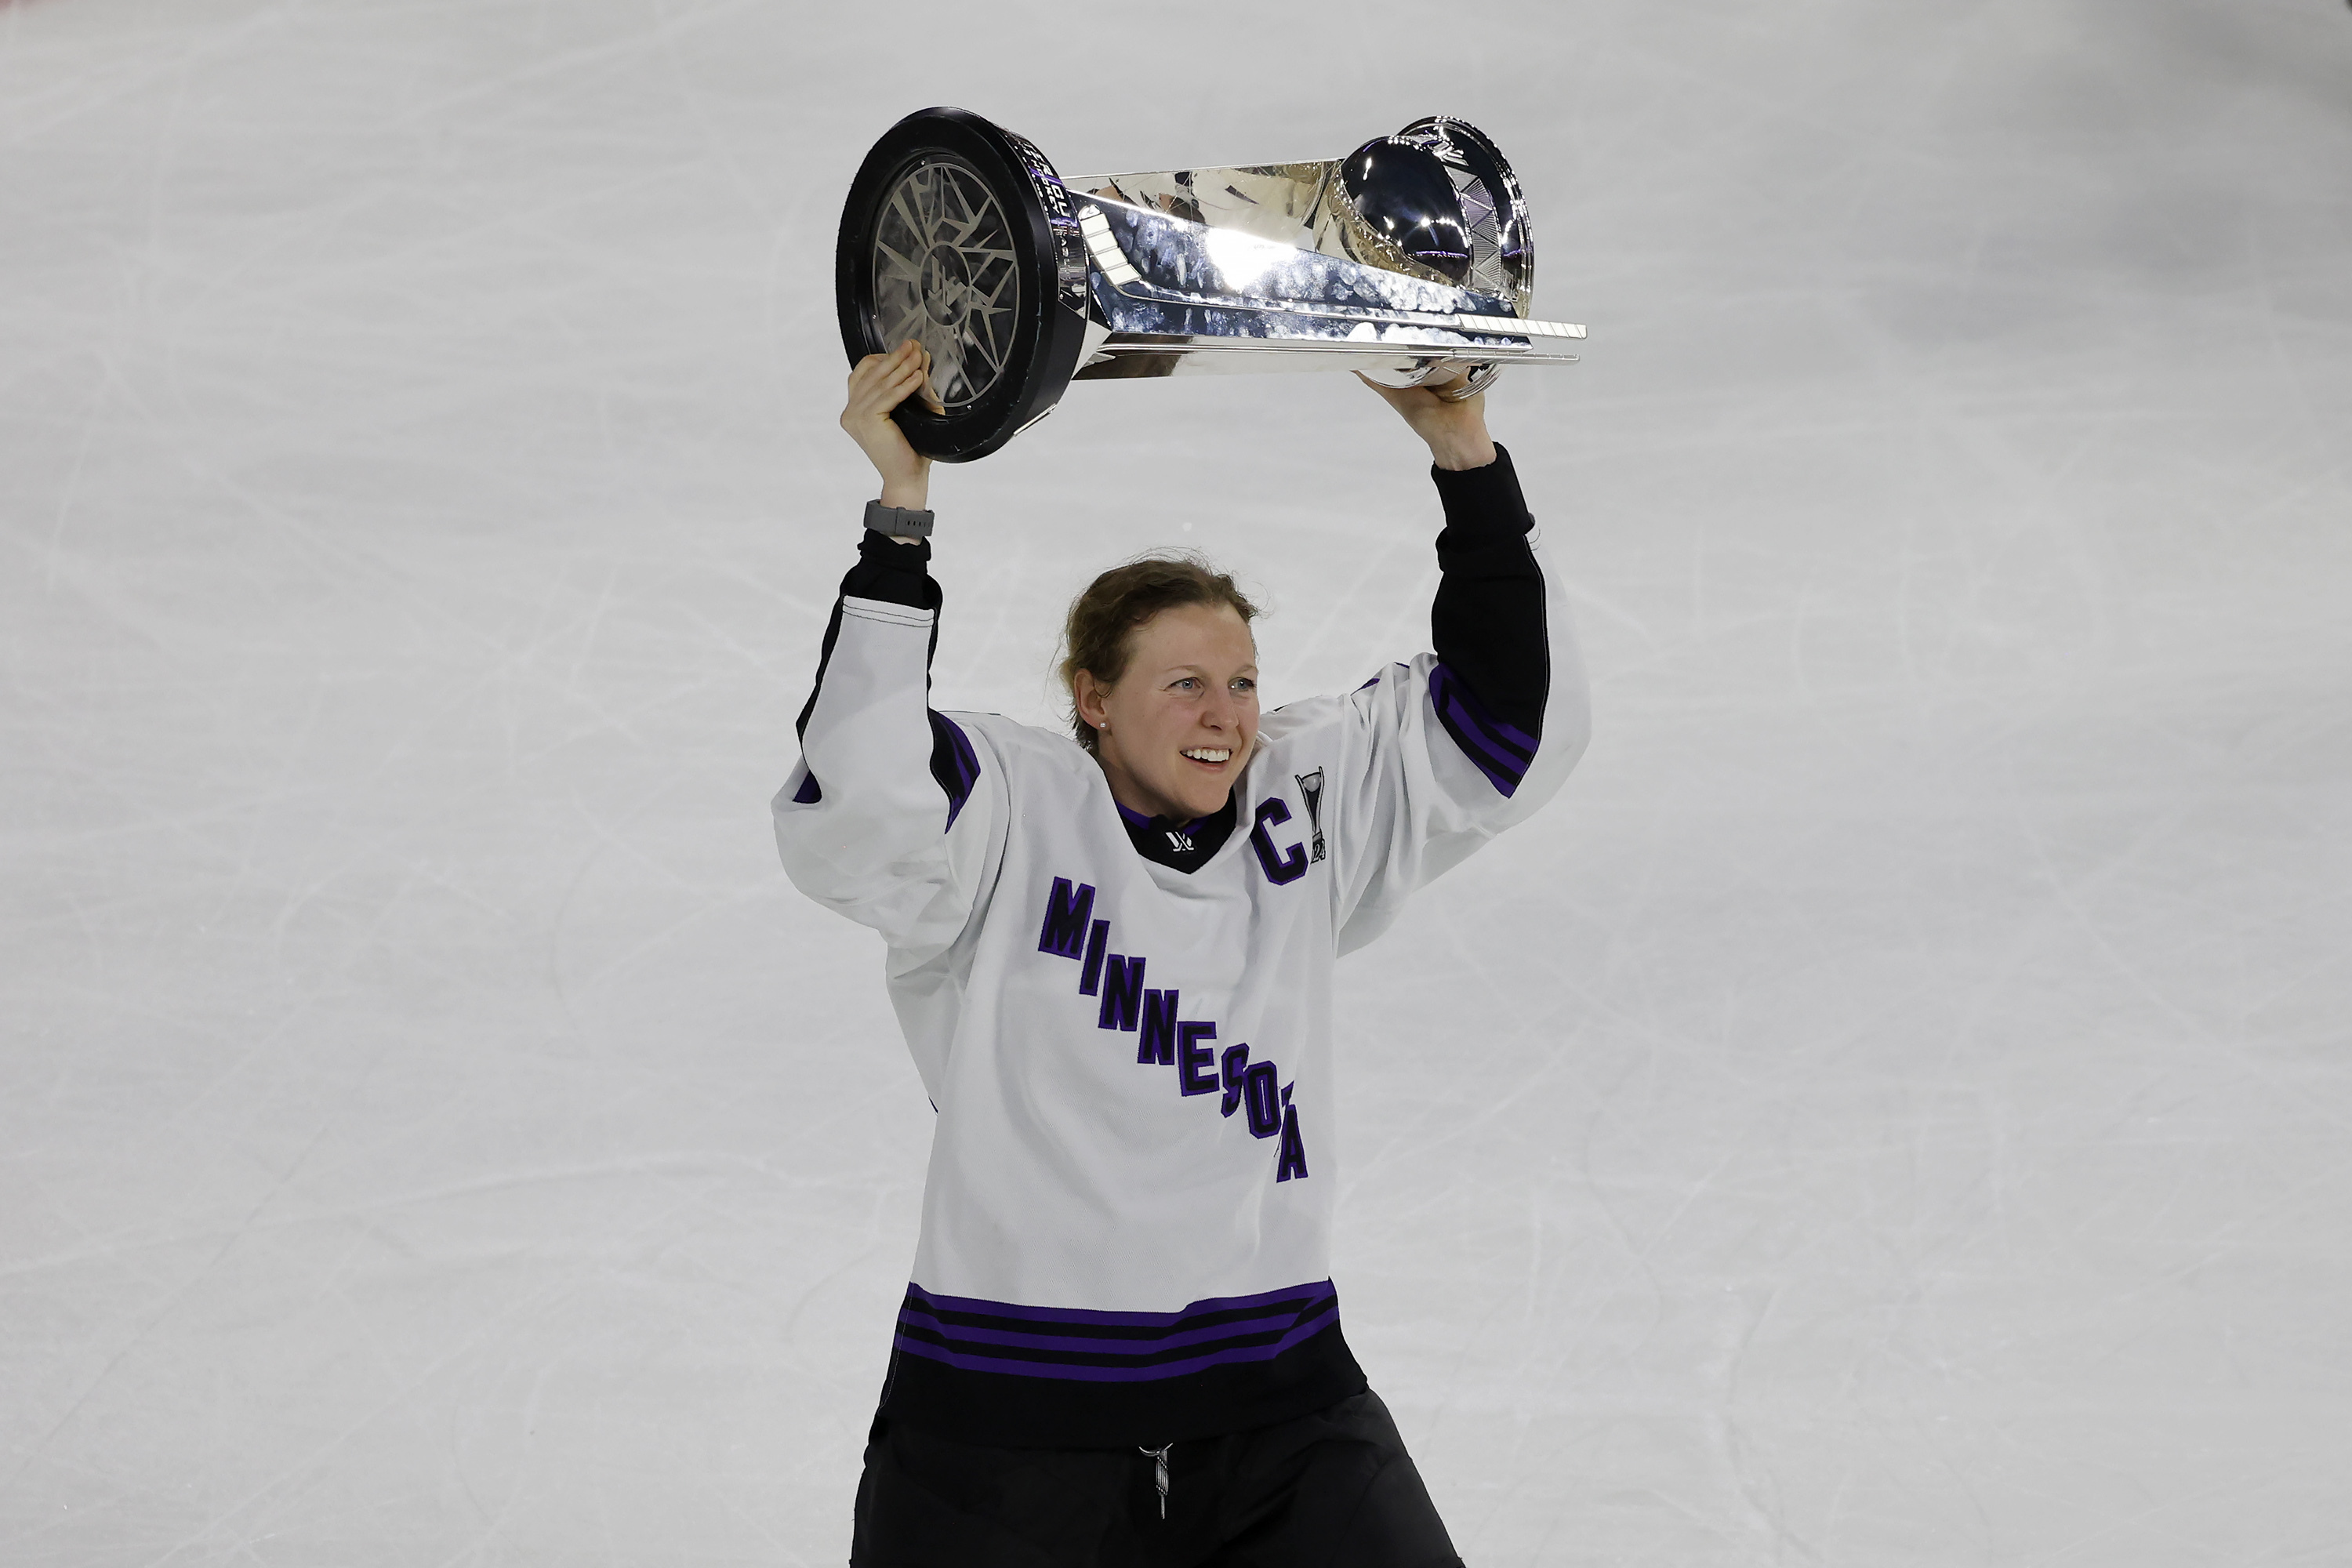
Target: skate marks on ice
1889, 1109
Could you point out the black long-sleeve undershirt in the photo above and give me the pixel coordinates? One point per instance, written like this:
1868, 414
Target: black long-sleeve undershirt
892, 573
1486, 623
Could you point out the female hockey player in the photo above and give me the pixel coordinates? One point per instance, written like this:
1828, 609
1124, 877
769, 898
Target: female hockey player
1112, 960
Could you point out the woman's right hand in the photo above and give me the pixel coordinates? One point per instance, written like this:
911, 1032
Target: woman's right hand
877, 385
1455, 428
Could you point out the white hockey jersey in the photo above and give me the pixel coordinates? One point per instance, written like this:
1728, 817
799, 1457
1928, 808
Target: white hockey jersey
1127, 1219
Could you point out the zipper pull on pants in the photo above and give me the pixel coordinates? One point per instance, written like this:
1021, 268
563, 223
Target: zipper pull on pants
1160, 1473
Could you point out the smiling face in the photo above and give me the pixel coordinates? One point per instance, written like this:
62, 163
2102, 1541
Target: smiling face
1176, 730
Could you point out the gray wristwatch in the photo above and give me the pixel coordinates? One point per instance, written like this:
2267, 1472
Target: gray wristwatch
898, 520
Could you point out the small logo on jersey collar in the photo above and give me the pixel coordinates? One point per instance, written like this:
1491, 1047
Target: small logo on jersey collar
1179, 841
1310, 785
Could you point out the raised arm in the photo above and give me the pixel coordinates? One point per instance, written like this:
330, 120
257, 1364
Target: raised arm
1488, 623
1459, 743
864, 823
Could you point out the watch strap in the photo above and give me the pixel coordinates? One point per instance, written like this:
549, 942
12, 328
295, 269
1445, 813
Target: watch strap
898, 522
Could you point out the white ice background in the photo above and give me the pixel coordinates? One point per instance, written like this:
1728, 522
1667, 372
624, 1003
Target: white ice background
1896, 1108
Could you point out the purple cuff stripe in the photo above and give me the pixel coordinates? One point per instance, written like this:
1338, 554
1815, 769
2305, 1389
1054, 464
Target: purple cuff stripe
953, 763
1458, 693
1499, 751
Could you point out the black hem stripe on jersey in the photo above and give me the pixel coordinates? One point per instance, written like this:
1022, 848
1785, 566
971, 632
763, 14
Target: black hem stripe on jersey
1024, 1377
1111, 1347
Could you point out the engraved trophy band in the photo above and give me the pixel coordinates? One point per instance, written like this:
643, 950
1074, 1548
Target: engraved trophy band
1409, 260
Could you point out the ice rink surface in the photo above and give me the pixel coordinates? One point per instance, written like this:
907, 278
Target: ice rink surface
1894, 1108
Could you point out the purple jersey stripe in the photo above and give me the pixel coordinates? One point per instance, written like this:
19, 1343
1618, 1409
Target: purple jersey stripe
1115, 1342
1505, 781
953, 763
1507, 737
1095, 1352
1490, 758
1063, 1372
1080, 1317
1495, 749
1023, 1362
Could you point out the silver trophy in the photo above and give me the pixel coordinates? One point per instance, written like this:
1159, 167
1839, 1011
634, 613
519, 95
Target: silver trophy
1406, 259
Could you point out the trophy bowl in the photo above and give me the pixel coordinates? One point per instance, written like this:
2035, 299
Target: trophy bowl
1409, 260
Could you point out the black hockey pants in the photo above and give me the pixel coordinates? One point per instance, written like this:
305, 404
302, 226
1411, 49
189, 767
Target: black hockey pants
1331, 1490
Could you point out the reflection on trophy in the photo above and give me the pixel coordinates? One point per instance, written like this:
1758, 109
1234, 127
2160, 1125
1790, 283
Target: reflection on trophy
1408, 259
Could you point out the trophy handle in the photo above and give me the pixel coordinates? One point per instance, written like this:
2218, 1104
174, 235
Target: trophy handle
959, 235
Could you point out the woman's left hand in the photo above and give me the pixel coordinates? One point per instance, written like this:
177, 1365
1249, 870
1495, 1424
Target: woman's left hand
1456, 432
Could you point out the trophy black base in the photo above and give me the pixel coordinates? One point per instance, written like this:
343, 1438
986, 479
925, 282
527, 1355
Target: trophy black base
946, 239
